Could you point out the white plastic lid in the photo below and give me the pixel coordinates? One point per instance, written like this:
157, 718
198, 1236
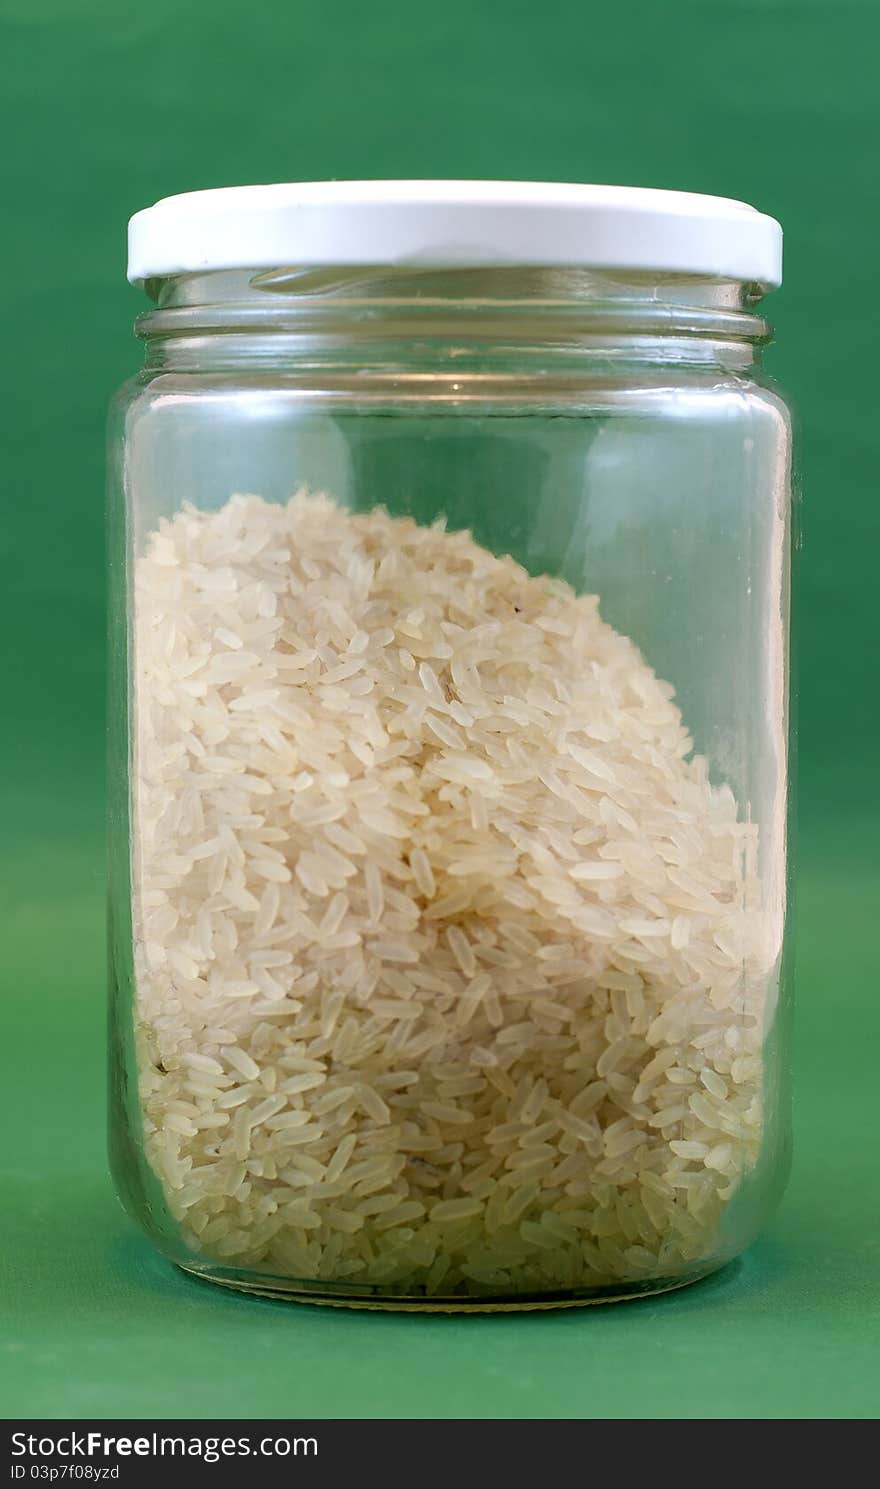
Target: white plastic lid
455, 224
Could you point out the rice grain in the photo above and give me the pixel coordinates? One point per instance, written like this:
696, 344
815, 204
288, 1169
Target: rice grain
451, 962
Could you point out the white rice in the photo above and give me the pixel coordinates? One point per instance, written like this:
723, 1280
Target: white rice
447, 951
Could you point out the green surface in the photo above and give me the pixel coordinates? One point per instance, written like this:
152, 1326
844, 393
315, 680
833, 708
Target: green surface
103, 108
101, 1326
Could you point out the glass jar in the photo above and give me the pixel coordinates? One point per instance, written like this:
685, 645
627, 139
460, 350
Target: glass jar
449, 741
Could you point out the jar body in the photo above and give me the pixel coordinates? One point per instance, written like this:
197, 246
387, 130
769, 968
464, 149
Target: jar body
449, 778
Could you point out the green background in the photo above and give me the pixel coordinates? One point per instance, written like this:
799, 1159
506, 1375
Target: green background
107, 106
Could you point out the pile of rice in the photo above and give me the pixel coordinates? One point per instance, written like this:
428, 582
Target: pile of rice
446, 964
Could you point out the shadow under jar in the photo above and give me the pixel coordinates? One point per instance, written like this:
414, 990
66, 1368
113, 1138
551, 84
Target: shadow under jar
448, 753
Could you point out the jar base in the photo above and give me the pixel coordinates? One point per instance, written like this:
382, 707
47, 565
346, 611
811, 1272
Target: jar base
292, 1291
